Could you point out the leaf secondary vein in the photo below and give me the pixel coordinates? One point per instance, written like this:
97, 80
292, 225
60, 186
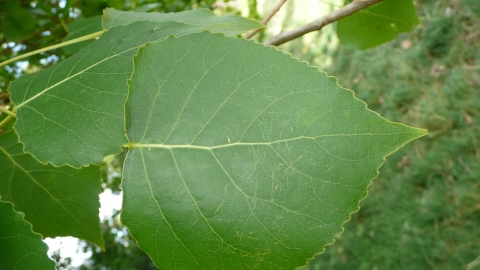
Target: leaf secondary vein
70, 77
58, 201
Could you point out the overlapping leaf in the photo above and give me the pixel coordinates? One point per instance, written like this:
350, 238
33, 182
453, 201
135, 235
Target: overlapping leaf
377, 24
242, 157
230, 25
79, 28
73, 112
58, 201
20, 247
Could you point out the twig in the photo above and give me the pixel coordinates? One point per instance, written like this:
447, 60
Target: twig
72, 41
318, 24
4, 95
266, 19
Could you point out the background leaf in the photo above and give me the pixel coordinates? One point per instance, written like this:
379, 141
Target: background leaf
242, 157
81, 27
18, 23
73, 112
20, 247
230, 25
377, 24
58, 201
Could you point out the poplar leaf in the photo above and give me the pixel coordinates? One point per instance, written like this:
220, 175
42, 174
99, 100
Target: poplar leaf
242, 157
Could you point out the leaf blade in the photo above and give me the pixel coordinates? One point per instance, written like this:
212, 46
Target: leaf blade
20, 247
377, 24
230, 25
57, 201
242, 151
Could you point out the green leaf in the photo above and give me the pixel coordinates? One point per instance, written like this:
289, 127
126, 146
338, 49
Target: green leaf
18, 23
242, 157
20, 247
73, 112
377, 24
79, 28
230, 25
58, 201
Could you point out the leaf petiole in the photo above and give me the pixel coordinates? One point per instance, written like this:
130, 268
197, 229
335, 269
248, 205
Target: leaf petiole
6, 120
2, 109
63, 44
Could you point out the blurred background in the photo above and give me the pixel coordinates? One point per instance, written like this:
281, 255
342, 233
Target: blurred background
422, 212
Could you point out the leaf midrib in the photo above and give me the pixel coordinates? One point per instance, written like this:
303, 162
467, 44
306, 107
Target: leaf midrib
173, 146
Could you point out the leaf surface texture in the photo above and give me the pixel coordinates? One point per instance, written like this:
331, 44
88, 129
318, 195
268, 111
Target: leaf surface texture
20, 247
377, 24
57, 201
230, 25
242, 157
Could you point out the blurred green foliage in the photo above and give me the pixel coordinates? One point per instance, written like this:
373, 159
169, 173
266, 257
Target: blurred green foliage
423, 211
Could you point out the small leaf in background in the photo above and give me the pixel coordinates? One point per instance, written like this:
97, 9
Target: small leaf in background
73, 112
242, 157
18, 23
377, 24
20, 247
230, 25
58, 201
81, 27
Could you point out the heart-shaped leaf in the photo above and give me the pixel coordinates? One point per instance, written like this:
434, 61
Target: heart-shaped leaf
242, 157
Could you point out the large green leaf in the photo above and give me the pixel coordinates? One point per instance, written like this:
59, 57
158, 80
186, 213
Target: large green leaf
73, 112
79, 28
230, 25
377, 24
242, 157
58, 201
20, 247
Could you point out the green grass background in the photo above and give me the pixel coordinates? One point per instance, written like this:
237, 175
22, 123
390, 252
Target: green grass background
423, 211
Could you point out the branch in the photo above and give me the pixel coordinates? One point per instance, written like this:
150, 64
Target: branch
318, 24
266, 19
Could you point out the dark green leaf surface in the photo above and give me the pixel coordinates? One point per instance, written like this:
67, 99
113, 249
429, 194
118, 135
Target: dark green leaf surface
377, 24
81, 27
73, 112
58, 201
230, 25
20, 247
241, 157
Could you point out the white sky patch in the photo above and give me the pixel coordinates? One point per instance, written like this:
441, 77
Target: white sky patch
109, 203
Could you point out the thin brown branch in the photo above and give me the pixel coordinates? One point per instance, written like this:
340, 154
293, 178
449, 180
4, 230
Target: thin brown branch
266, 19
318, 24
